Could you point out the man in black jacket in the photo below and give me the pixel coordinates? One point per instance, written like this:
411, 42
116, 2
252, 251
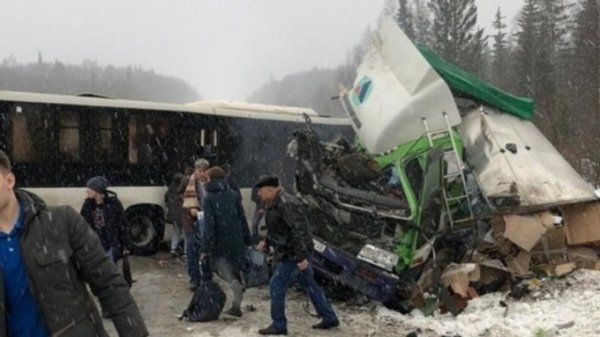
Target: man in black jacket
53, 253
103, 211
289, 235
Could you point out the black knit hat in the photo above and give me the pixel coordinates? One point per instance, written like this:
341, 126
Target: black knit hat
98, 184
272, 181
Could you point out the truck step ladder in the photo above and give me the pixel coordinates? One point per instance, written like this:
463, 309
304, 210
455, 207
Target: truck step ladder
464, 196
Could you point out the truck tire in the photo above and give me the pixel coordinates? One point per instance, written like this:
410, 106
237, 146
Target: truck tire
146, 230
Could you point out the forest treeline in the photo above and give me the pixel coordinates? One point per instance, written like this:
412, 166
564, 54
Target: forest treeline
130, 82
552, 54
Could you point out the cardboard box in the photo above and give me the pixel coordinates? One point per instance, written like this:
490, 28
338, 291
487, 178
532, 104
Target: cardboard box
584, 257
524, 230
458, 276
519, 265
502, 244
547, 219
565, 268
582, 223
552, 247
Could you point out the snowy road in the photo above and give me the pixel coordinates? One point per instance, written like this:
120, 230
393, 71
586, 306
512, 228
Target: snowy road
564, 307
161, 293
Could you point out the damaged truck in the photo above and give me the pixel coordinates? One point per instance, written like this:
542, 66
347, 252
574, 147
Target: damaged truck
448, 188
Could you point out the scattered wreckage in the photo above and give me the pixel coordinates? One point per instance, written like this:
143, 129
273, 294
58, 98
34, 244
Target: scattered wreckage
449, 191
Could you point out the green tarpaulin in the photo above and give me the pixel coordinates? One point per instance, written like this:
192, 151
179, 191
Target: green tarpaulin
466, 85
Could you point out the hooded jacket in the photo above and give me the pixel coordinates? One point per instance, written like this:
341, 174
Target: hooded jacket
226, 233
61, 253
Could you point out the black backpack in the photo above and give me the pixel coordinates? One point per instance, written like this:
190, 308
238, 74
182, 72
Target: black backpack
208, 299
206, 304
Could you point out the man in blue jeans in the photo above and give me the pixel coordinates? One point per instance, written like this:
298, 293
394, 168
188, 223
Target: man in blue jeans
192, 191
289, 235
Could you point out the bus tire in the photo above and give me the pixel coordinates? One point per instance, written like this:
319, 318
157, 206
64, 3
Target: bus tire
146, 230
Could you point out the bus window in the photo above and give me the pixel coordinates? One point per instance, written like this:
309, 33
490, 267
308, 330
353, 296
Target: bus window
214, 139
69, 135
105, 123
21, 139
96, 144
150, 140
207, 145
133, 148
202, 137
30, 139
160, 142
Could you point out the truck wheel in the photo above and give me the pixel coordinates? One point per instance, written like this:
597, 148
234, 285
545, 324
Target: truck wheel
146, 229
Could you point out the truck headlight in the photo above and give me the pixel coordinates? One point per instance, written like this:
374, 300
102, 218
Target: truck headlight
379, 257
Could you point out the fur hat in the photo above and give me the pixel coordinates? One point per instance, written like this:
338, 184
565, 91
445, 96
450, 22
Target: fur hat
272, 181
98, 184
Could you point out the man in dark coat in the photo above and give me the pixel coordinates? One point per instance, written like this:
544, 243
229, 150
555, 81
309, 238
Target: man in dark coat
289, 235
233, 185
50, 254
226, 234
104, 212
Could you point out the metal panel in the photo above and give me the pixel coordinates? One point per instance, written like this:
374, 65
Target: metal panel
395, 89
534, 173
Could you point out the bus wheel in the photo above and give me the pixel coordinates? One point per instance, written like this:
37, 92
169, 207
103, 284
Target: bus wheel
146, 230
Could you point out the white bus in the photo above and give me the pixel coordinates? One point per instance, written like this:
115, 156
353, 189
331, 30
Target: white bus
57, 143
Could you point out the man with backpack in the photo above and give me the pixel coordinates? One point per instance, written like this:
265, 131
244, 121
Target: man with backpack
226, 234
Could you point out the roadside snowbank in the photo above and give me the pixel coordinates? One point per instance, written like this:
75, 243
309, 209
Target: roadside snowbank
564, 307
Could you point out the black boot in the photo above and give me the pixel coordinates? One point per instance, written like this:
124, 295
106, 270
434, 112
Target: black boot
234, 311
270, 330
326, 325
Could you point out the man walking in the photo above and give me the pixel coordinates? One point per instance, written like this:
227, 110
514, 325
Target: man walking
289, 235
103, 211
46, 255
226, 234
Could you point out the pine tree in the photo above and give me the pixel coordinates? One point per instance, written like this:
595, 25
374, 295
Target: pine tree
390, 9
557, 97
500, 64
527, 47
534, 69
455, 36
404, 17
422, 22
587, 71
555, 22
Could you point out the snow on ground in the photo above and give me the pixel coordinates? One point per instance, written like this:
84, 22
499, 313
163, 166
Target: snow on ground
560, 307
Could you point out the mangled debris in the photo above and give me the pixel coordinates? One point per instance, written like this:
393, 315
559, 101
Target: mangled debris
437, 203
526, 247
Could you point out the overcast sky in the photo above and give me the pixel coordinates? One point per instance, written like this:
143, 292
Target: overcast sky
223, 48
